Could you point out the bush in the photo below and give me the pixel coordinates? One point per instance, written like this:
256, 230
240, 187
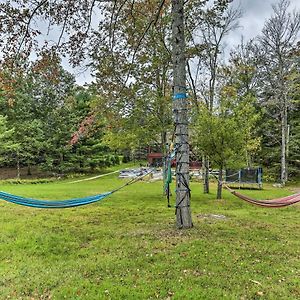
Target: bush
125, 159
28, 181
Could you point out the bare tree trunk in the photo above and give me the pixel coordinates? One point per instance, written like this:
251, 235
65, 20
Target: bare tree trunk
29, 169
164, 158
284, 132
183, 210
18, 167
205, 175
220, 180
61, 158
288, 142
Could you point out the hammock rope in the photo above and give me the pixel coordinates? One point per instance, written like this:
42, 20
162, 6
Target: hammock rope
95, 177
68, 203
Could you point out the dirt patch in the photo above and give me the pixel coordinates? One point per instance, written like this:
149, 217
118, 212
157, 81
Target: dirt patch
212, 216
296, 189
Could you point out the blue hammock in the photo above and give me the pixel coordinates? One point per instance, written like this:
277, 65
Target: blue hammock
64, 203
52, 204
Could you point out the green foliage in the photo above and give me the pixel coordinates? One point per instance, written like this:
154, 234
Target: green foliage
135, 77
7, 145
294, 147
28, 181
33, 98
226, 134
46, 109
270, 129
31, 140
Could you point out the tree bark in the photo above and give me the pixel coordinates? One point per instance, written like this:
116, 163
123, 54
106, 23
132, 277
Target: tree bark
183, 211
220, 180
29, 170
284, 132
18, 167
205, 174
164, 159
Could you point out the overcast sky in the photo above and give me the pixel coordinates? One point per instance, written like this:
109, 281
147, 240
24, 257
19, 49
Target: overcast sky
255, 12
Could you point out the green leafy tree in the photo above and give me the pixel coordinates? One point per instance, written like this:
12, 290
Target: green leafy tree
134, 75
207, 30
17, 105
35, 97
226, 135
7, 145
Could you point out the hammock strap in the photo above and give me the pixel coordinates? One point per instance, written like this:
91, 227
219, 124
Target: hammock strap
132, 181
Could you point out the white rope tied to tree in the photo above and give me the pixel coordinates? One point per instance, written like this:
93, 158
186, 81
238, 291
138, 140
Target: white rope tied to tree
95, 177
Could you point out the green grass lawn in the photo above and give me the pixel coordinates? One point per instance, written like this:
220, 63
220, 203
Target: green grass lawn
126, 247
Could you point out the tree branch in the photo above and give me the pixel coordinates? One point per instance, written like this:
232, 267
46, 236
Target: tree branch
28, 25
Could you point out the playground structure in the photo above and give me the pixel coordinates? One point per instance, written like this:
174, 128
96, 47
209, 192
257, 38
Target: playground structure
244, 178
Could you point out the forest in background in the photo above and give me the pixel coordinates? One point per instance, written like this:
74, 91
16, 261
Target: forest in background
244, 110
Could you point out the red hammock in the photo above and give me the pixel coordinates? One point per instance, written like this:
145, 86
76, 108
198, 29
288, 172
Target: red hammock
275, 203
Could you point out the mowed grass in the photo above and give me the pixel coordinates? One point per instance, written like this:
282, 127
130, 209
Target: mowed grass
127, 247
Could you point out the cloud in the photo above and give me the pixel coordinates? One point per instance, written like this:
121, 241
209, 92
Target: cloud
255, 14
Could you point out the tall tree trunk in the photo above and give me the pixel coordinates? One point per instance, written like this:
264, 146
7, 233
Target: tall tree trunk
164, 158
220, 181
29, 169
183, 210
288, 141
18, 167
163, 146
212, 83
248, 159
61, 158
284, 132
205, 174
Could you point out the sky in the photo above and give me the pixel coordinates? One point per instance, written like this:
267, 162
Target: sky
255, 13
